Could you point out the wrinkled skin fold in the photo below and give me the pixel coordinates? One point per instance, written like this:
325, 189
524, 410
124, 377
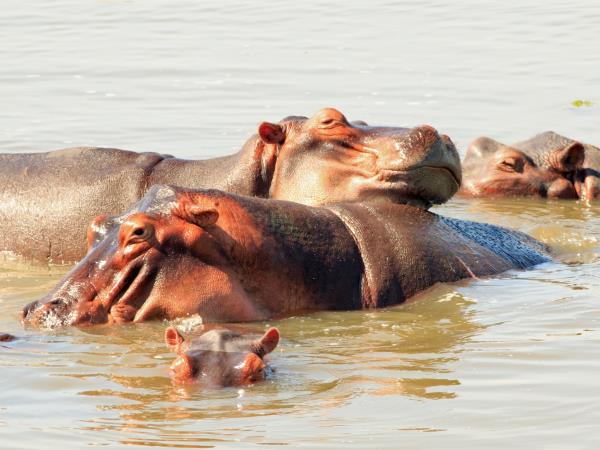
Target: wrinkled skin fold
48, 199
548, 165
220, 357
232, 258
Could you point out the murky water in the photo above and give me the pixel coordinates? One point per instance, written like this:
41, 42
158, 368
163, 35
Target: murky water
507, 362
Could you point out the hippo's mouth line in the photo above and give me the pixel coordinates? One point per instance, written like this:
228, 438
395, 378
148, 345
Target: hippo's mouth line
128, 283
396, 172
453, 174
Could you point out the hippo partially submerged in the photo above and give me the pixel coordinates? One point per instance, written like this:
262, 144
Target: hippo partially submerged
233, 258
48, 199
547, 165
5, 337
220, 357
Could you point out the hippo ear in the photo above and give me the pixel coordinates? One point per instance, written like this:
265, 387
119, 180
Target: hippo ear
201, 215
173, 339
271, 133
267, 343
568, 158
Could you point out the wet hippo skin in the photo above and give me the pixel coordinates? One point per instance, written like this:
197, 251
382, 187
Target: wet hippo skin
547, 165
48, 199
234, 258
5, 337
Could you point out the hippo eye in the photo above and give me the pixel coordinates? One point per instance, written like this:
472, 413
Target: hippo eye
329, 118
511, 165
328, 121
140, 233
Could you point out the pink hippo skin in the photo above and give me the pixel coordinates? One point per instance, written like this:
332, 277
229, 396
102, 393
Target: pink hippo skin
220, 357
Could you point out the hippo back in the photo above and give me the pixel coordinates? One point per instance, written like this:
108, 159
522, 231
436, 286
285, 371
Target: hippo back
520, 249
406, 250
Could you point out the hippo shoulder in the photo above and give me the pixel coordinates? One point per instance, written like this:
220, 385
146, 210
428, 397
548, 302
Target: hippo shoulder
405, 250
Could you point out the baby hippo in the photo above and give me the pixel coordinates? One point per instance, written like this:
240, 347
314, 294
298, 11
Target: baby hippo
219, 357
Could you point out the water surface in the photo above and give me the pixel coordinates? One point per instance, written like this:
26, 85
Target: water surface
506, 362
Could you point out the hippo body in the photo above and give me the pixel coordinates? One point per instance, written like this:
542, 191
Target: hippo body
547, 165
220, 357
47, 200
233, 258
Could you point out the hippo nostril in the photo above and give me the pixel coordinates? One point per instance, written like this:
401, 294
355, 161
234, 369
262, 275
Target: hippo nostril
446, 140
561, 188
26, 311
184, 369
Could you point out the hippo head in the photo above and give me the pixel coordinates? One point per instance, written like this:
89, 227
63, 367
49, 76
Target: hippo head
165, 258
492, 169
326, 159
220, 357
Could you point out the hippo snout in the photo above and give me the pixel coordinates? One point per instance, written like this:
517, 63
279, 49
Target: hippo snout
28, 310
562, 188
53, 313
184, 369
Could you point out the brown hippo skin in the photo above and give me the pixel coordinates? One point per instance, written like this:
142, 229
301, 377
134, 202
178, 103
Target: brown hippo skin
233, 258
48, 199
547, 165
220, 357
5, 337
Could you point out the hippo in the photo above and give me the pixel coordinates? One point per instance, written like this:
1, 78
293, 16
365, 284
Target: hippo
547, 165
48, 199
232, 258
220, 357
5, 337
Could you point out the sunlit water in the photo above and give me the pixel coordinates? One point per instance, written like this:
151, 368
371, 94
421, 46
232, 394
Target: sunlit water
506, 362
